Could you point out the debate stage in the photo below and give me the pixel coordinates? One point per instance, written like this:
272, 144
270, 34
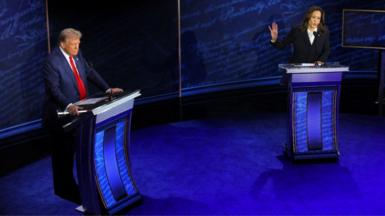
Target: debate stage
231, 164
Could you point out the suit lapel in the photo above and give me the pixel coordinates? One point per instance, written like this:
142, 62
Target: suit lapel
68, 70
306, 36
81, 70
316, 38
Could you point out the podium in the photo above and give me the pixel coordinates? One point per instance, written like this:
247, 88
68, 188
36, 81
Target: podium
103, 155
313, 108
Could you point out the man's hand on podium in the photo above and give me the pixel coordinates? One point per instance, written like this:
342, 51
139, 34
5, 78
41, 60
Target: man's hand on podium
115, 90
73, 109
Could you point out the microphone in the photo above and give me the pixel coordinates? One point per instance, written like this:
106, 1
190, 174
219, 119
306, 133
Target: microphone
316, 34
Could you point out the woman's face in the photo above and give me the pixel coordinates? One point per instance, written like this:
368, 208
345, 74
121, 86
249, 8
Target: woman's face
315, 19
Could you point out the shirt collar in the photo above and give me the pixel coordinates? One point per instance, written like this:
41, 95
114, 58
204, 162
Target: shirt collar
64, 53
67, 57
311, 32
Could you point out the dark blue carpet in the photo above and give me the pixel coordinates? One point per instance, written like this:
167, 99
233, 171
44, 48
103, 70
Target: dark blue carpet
231, 165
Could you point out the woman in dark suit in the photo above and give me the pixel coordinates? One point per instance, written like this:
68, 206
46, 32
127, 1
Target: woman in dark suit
310, 40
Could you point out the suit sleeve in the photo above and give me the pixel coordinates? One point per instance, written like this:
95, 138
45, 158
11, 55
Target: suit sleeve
52, 83
94, 77
325, 49
286, 40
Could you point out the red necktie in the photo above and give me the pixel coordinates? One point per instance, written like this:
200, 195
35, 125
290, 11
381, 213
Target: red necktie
81, 88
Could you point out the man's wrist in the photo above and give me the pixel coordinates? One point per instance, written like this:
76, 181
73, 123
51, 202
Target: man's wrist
68, 105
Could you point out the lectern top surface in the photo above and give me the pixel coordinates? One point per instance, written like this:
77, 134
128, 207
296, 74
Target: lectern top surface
115, 107
91, 101
311, 68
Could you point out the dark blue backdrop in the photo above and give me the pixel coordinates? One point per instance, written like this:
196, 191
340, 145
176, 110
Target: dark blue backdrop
361, 28
228, 41
23, 42
134, 44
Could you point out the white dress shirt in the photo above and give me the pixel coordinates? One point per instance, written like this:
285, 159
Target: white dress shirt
311, 35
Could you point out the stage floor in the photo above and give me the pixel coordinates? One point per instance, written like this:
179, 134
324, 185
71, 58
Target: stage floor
230, 165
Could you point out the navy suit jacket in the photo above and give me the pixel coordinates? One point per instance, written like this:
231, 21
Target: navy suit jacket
60, 82
303, 50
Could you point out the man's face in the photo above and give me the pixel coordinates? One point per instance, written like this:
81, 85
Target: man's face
71, 46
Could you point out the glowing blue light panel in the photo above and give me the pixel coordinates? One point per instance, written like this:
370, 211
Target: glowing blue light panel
101, 174
327, 119
300, 103
122, 159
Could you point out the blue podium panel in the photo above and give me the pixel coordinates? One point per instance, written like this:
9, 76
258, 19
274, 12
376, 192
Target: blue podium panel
111, 153
314, 121
103, 158
314, 102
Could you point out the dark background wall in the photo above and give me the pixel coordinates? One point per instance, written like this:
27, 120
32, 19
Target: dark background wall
134, 45
23, 47
228, 41
360, 28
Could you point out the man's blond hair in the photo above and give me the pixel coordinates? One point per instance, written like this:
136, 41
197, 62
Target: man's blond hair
69, 33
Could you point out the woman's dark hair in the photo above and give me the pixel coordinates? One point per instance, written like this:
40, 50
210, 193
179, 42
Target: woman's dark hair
322, 25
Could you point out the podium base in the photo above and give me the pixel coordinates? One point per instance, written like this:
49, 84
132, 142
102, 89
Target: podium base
310, 155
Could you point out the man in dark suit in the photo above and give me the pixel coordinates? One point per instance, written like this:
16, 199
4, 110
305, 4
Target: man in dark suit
310, 40
66, 76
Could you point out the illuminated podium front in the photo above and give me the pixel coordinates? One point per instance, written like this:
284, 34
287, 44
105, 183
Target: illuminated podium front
103, 156
314, 104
